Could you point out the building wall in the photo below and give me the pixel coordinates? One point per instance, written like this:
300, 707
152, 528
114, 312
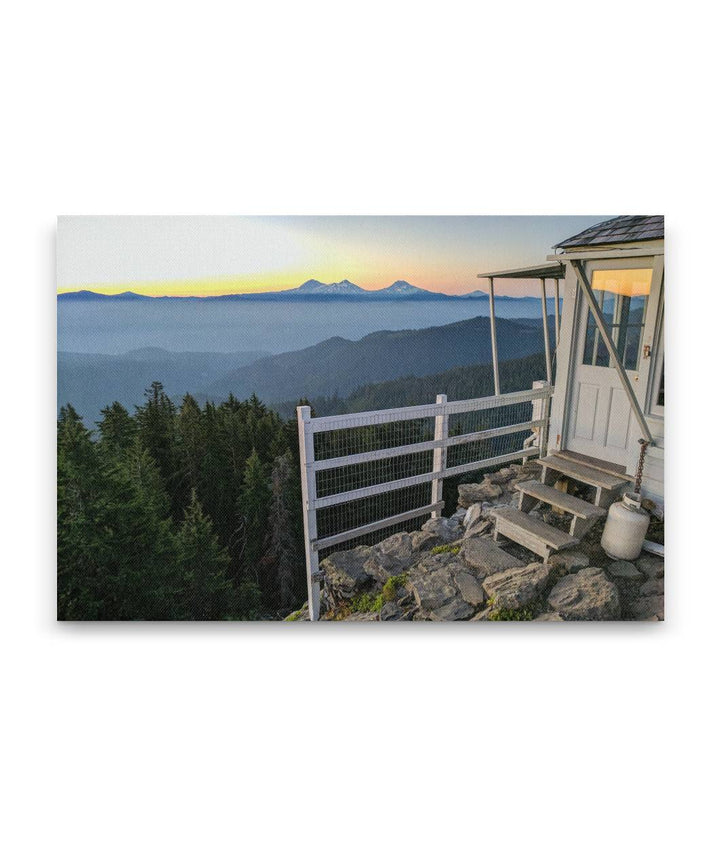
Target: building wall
653, 476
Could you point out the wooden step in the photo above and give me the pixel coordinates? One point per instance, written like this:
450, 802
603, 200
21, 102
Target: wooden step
593, 463
582, 473
534, 534
558, 498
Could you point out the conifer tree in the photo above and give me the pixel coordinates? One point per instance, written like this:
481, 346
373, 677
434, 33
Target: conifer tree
203, 564
132, 545
117, 429
192, 444
156, 430
283, 548
77, 489
252, 510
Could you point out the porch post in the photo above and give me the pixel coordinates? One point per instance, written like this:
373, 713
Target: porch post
612, 350
546, 334
493, 337
557, 313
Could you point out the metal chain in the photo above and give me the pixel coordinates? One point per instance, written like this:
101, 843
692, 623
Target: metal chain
641, 463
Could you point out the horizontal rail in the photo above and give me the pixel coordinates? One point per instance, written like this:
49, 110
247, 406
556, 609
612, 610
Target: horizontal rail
422, 478
425, 446
424, 411
358, 532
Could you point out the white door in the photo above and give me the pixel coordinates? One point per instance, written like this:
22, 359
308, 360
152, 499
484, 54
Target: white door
601, 422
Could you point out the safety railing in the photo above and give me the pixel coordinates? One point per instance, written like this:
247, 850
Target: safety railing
365, 474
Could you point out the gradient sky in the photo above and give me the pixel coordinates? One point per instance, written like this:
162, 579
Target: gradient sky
231, 254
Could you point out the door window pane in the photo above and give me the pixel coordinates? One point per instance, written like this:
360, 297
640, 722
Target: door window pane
622, 296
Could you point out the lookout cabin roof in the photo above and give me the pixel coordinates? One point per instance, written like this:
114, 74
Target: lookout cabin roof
618, 230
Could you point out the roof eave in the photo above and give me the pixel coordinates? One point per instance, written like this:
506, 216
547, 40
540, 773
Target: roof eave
544, 270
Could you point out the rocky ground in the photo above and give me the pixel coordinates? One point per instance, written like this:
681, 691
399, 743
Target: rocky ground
452, 570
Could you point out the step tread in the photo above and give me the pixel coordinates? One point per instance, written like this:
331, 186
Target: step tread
581, 473
572, 504
555, 538
594, 463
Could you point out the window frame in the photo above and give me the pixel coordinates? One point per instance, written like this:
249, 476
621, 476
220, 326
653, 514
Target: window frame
615, 324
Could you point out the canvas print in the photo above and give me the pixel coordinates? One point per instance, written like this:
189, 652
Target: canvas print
360, 418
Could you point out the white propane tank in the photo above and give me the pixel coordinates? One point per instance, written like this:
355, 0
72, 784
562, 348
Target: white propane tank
625, 529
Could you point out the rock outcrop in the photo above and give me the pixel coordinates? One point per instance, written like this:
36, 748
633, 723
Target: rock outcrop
517, 587
587, 595
453, 570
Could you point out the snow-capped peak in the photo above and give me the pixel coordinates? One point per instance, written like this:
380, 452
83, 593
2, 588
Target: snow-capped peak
313, 286
401, 286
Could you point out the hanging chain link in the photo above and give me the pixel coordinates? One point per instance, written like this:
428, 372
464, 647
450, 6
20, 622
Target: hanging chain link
641, 463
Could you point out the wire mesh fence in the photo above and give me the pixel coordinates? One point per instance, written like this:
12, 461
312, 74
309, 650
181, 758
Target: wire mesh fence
366, 475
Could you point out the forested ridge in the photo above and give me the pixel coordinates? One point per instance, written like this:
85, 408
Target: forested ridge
183, 512
473, 381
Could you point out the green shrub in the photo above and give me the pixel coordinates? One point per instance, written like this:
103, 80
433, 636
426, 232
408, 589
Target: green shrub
453, 549
391, 587
527, 613
366, 603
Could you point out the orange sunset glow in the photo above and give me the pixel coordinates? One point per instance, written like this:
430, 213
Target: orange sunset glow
209, 256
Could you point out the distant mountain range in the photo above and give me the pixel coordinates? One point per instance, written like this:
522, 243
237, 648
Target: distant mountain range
313, 289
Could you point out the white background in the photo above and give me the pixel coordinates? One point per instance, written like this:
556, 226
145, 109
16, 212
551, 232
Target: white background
346, 739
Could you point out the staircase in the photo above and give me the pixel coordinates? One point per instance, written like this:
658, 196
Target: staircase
540, 537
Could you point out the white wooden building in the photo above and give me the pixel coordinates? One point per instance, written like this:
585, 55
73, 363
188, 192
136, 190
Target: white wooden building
609, 360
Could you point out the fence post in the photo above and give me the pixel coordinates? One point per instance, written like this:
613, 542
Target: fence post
439, 455
307, 480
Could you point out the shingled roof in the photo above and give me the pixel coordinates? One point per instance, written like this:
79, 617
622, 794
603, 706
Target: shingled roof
619, 230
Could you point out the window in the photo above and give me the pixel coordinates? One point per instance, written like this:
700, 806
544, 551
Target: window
622, 296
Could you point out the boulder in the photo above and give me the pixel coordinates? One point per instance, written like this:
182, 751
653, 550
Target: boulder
569, 560
648, 608
624, 572
652, 566
469, 494
399, 546
391, 612
501, 476
432, 583
475, 522
480, 528
549, 616
345, 572
391, 557
444, 528
652, 587
470, 588
485, 557
473, 515
424, 541
516, 587
587, 595
459, 516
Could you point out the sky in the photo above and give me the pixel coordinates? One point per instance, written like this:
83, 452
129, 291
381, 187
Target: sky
202, 256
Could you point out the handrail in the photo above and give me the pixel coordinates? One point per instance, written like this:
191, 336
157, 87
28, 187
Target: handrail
424, 411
